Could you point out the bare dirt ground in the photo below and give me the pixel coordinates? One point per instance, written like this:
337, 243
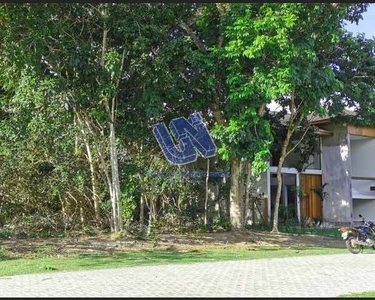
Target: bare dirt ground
103, 243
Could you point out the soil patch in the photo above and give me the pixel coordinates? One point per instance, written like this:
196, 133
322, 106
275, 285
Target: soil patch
103, 243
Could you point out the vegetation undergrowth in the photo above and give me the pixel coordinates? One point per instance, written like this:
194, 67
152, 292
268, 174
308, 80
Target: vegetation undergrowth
300, 230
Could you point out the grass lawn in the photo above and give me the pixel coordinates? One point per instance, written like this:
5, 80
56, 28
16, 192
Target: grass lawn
43, 263
360, 295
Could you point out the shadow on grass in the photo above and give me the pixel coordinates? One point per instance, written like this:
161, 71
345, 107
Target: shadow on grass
144, 257
166, 257
9, 266
6, 258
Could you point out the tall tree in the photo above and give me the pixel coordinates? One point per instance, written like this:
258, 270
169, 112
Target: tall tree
280, 52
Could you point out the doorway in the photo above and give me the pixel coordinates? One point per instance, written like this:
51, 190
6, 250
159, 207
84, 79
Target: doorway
311, 202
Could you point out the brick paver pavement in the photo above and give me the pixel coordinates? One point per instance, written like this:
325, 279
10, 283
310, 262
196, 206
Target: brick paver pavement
327, 275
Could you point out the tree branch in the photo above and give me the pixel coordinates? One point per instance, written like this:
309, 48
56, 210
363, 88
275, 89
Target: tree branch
193, 36
299, 141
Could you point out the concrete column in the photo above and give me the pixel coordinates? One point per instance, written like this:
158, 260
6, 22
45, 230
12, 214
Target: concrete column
336, 169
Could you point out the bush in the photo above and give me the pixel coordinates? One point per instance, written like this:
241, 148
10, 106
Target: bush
33, 226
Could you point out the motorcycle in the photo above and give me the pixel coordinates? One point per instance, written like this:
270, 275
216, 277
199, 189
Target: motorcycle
359, 236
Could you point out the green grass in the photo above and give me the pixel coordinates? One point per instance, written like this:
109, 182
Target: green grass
40, 264
360, 295
295, 229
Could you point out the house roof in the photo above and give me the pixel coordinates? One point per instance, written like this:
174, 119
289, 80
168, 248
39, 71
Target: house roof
317, 120
368, 131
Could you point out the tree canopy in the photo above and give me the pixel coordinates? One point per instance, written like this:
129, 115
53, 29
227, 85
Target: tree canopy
81, 86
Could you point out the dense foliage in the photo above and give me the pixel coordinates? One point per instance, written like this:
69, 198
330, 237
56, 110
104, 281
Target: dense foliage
81, 86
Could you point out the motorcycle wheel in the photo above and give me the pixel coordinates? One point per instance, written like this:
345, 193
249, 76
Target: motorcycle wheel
352, 249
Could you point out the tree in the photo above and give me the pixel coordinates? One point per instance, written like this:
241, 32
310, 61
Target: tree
108, 66
95, 78
94, 59
207, 29
313, 78
353, 62
280, 52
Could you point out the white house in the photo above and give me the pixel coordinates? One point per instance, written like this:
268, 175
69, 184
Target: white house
337, 186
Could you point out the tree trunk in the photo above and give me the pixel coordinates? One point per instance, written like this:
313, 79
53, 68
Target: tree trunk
248, 194
93, 182
206, 205
75, 138
142, 212
111, 109
155, 209
90, 160
283, 155
150, 214
63, 210
82, 212
236, 207
116, 207
104, 169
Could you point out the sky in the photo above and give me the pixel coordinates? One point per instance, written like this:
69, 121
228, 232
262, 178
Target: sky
367, 25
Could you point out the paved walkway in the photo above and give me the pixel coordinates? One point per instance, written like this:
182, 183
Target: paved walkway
328, 275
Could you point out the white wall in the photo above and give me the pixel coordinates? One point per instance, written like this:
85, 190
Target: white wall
261, 184
363, 165
364, 207
361, 189
363, 157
